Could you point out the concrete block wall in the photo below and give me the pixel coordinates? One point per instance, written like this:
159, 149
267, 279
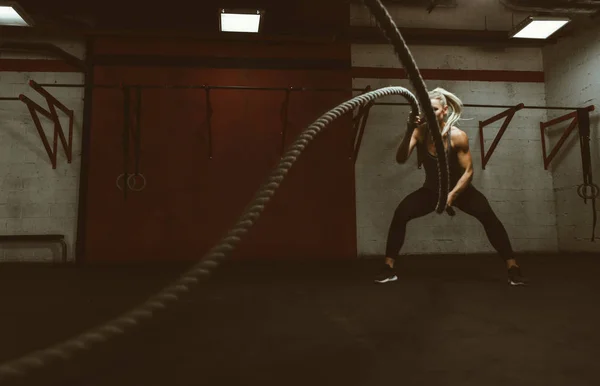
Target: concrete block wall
514, 181
34, 198
474, 14
573, 79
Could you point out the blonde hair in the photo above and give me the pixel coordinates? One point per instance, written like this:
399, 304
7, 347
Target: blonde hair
453, 102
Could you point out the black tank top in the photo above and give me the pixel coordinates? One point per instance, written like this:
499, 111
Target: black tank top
429, 162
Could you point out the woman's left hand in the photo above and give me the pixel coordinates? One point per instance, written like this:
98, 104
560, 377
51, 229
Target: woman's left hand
451, 198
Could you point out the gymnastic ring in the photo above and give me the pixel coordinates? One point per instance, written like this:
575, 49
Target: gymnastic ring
582, 191
132, 177
122, 175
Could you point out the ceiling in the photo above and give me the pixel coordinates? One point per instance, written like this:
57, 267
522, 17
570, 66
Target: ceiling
281, 17
307, 18
586, 7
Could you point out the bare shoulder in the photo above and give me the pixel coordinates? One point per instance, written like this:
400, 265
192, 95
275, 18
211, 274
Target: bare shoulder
459, 138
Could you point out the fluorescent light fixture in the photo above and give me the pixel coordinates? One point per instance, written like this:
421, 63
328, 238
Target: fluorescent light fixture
11, 14
538, 27
240, 20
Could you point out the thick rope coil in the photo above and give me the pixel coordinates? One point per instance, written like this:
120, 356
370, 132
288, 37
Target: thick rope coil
203, 268
387, 25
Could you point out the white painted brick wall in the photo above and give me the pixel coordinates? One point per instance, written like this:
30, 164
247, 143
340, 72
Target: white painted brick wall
34, 198
573, 79
463, 58
514, 181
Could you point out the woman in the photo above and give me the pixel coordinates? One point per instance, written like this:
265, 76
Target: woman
448, 109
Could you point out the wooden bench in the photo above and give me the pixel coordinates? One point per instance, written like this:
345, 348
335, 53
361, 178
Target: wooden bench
38, 239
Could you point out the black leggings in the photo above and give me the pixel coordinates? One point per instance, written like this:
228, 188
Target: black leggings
471, 201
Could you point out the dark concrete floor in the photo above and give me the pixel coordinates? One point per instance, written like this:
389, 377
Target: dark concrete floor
448, 321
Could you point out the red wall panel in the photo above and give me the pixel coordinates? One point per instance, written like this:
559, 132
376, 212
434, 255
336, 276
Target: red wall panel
191, 200
191, 47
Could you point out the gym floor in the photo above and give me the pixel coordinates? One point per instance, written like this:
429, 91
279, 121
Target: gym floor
448, 321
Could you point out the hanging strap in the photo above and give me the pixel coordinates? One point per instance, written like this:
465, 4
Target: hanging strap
126, 124
583, 118
138, 130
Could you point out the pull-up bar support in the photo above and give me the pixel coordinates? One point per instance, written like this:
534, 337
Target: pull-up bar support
508, 114
486, 106
191, 87
53, 103
543, 125
209, 110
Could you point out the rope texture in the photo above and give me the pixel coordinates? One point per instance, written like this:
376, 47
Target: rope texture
388, 27
201, 270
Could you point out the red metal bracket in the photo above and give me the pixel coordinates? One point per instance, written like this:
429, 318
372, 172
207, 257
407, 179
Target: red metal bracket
360, 123
53, 103
509, 114
574, 115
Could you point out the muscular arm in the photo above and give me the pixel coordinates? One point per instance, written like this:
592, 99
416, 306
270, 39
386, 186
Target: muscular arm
461, 146
408, 144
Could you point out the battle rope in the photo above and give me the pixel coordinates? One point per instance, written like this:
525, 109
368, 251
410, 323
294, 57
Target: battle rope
202, 269
387, 25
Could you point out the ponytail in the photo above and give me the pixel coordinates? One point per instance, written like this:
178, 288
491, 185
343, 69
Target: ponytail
453, 102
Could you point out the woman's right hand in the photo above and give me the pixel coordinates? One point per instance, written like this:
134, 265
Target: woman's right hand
418, 121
